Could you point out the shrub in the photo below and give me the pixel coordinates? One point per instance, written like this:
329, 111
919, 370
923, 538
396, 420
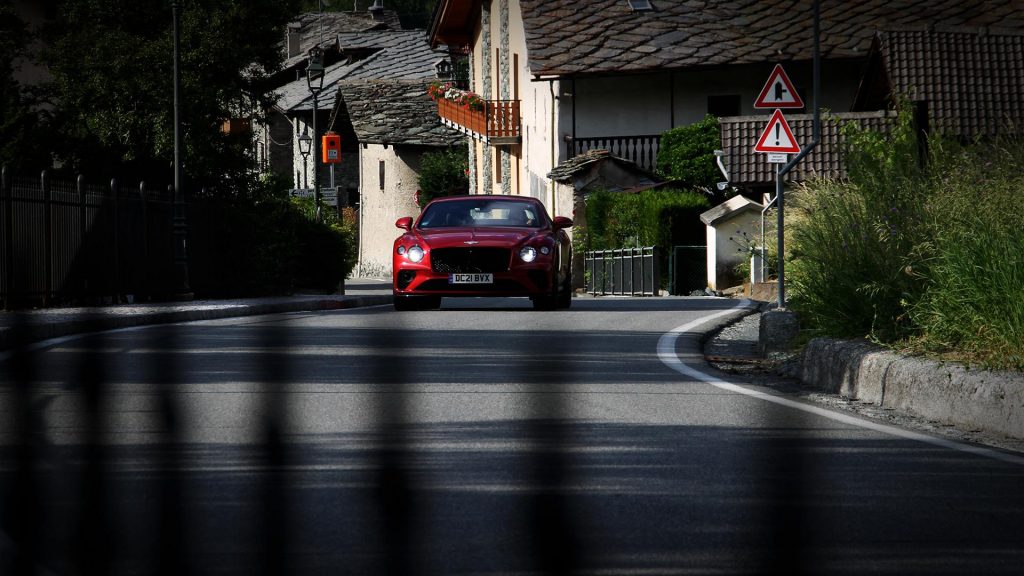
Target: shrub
686, 154
271, 246
443, 173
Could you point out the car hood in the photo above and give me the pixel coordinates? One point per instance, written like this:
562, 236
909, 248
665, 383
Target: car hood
460, 237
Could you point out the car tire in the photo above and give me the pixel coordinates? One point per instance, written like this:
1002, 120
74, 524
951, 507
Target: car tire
564, 298
556, 299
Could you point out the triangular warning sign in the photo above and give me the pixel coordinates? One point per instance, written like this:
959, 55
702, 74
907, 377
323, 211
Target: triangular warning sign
778, 92
777, 137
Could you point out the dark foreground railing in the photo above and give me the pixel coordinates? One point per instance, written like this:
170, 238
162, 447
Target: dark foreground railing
74, 241
623, 271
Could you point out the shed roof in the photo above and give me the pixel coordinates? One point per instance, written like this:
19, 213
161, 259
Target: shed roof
728, 209
749, 168
395, 112
576, 37
972, 81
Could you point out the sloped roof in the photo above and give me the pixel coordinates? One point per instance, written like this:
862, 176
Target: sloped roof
972, 82
395, 112
728, 209
400, 55
749, 168
322, 28
569, 168
575, 37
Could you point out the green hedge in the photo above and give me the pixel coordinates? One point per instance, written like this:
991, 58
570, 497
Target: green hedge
246, 247
662, 218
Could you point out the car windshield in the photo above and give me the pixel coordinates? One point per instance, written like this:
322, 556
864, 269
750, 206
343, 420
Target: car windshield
482, 213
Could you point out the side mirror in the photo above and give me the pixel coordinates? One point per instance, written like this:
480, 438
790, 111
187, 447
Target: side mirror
561, 222
404, 223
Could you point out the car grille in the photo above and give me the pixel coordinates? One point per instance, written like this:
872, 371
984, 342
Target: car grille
468, 260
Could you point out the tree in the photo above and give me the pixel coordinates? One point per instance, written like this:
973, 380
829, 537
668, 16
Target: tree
21, 128
113, 69
686, 154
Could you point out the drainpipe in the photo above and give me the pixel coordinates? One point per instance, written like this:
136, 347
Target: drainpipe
554, 143
362, 209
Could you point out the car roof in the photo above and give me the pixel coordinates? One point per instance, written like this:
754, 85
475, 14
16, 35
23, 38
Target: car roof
463, 197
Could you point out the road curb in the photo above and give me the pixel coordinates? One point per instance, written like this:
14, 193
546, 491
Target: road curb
30, 330
949, 393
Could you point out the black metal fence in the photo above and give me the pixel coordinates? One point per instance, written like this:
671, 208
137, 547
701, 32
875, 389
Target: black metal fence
623, 271
75, 241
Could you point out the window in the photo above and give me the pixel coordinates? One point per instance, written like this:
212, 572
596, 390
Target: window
724, 105
381, 170
640, 5
497, 166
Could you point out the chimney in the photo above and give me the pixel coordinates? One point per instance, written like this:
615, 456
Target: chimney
377, 10
294, 39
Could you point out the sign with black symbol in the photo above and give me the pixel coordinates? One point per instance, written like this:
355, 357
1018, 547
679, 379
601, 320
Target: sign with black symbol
778, 92
777, 137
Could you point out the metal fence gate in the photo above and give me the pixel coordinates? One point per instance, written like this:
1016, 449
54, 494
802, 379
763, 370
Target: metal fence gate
623, 271
687, 270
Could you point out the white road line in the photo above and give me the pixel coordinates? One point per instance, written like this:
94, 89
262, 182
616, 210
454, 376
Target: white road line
667, 354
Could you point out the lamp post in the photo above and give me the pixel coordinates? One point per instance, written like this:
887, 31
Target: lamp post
179, 223
304, 143
315, 81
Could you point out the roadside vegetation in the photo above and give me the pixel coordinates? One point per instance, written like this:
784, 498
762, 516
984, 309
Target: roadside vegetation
919, 249
444, 173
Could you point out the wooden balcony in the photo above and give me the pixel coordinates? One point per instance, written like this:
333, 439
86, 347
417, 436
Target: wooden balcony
497, 124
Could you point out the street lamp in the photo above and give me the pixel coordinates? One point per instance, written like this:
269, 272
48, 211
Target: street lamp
304, 143
315, 81
179, 225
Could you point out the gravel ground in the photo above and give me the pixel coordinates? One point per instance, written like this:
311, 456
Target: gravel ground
738, 341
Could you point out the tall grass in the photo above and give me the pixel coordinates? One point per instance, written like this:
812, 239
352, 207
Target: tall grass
854, 266
926, 254
973, 302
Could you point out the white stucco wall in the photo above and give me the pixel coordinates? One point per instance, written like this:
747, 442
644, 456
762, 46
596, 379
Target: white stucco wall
379, 208
725, 254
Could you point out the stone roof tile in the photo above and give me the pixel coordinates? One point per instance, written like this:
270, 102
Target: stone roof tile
395, 112
732, 27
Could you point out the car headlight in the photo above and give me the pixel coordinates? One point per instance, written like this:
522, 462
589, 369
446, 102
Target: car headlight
401, 250
415, 254
528, 254
545, 250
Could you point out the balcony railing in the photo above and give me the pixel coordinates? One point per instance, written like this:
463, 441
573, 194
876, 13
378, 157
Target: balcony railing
640, 149
496, 124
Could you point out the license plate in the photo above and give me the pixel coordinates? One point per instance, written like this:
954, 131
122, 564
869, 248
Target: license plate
471, 278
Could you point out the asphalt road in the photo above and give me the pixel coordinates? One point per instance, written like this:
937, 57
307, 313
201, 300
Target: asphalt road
485, 438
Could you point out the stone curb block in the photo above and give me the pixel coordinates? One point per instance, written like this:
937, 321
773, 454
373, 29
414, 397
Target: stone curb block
39, 331
974, 399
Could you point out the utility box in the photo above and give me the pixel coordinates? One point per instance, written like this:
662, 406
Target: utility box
331, 148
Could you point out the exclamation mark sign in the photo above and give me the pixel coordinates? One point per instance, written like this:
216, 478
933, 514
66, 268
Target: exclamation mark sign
777, 128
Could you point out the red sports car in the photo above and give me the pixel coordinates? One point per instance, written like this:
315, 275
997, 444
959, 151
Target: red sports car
483, 246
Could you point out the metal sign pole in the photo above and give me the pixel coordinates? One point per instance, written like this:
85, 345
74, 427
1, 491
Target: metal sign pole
781, 236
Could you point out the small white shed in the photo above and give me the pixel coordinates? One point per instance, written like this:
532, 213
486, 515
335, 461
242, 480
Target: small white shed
732, 226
